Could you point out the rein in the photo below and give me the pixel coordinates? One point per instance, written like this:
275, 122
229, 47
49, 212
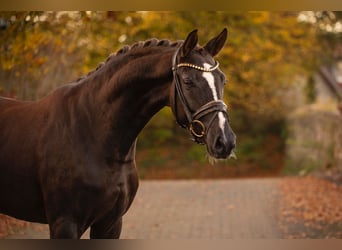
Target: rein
196, 127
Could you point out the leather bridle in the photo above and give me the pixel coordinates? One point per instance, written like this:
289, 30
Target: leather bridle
196, 127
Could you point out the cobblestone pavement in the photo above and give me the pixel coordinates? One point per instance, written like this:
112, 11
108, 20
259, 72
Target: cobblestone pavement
197, 209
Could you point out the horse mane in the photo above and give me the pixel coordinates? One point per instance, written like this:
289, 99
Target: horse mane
153, 42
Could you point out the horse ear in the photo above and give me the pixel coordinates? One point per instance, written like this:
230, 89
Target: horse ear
189, 43
216, 44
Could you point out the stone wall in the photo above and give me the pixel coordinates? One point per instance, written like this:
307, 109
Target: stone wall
314, 140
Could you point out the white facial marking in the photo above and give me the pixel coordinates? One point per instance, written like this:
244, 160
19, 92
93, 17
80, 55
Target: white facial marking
221, 121
208, 76
210, 79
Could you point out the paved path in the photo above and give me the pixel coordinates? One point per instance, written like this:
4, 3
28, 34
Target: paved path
197, 209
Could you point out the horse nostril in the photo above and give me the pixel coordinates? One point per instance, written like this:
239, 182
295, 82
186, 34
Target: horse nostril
223, 148
220, 145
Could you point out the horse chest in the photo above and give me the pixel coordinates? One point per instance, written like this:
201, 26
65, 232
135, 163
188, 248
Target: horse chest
92, 196
122, 188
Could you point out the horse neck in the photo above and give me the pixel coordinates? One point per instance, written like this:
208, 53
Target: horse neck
129, 93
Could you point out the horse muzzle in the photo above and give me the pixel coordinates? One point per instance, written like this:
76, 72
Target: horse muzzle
222, 147
221, 142
210, 126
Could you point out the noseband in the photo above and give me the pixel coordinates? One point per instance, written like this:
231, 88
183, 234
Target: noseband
196, 127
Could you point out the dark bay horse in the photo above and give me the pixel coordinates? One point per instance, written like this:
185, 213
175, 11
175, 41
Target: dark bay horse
69, 159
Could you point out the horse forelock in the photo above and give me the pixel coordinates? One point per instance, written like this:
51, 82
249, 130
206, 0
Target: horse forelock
153, 42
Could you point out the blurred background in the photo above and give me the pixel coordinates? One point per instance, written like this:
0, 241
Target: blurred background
284, 90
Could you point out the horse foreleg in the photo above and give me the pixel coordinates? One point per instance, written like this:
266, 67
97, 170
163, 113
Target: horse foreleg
106, 229
63, 228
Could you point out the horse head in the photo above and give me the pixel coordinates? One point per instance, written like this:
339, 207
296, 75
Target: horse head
197, 96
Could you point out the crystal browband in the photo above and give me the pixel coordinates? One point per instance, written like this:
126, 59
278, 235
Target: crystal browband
189, 65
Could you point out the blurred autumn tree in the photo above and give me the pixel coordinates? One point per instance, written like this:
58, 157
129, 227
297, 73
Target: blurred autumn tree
264, 54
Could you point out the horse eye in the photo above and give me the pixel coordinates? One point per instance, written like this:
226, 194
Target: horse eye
187, 80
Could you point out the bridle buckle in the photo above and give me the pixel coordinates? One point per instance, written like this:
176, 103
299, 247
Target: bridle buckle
193, 130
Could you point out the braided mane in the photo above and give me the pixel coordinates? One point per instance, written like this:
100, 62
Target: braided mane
141, 44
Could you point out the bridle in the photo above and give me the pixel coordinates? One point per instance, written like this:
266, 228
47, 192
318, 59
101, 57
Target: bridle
196, 127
